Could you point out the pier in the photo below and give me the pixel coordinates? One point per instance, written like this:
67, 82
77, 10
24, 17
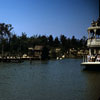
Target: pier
11, 59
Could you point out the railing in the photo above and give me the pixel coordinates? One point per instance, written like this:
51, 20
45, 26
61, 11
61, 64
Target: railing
93, 42
93, 58
85, 58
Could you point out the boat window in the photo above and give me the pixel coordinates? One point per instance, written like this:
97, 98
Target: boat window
92, 35
98, 34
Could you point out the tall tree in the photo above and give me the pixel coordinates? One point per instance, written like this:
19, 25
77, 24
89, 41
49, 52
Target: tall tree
73, 42
50, 40
56, 42
64, 43
5, 33
24, 43
14, 44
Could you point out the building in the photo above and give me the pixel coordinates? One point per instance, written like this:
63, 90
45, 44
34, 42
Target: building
40, 52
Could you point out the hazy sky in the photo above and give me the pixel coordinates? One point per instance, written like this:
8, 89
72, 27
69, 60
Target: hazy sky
45, 17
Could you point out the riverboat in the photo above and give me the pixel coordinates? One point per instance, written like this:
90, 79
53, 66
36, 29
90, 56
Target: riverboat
93, 44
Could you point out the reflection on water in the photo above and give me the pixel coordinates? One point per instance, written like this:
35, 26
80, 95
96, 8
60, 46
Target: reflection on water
48, 80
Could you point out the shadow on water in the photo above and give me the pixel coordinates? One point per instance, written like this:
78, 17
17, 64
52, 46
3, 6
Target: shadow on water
92, 76
39, 62
92, 68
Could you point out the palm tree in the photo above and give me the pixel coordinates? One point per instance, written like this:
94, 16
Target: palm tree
5, 33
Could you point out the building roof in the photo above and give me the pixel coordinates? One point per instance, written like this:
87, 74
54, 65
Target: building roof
30, 48
38, 47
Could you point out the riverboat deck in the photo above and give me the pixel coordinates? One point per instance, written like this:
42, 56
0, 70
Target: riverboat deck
89, 64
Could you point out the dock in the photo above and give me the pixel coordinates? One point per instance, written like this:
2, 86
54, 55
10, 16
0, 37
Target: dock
10, 59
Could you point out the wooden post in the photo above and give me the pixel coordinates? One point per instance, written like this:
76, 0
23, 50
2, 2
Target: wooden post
83, 58
88, 34
30, 60
95, 33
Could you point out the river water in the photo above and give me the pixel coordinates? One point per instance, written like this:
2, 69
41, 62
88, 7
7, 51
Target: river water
48, 80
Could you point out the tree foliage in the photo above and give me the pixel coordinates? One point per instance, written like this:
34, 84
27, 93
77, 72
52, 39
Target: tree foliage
18, 45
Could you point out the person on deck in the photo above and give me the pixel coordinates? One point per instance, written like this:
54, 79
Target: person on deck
98, 58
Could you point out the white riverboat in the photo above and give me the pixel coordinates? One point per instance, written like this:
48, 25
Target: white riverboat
93, 44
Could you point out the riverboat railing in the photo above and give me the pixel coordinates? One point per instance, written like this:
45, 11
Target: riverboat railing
92, 58
93, 42
84, 58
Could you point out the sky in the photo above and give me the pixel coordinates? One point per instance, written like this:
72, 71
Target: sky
49, 17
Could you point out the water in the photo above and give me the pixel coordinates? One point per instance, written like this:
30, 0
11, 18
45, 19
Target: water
48, 80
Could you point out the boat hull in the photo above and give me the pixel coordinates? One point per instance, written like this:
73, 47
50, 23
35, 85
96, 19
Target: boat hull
91, 64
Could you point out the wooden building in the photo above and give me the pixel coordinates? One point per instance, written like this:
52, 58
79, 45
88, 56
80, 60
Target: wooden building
40, 52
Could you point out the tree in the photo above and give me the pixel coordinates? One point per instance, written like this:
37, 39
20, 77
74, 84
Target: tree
44, 40
56, 42
73, 42
50, 40
63, 40
64, 43
24, 43
83, 42
14, 44
5, 33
